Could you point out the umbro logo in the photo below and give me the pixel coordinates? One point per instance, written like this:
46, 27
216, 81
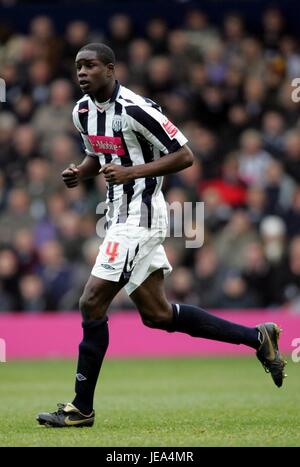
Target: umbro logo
82, 111
80, 377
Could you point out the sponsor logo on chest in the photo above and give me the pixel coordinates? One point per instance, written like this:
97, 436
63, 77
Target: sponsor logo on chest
107, 144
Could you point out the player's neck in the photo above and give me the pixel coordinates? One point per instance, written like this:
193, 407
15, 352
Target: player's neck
105, 93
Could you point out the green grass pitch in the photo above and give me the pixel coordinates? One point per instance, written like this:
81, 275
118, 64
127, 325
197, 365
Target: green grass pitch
161, 402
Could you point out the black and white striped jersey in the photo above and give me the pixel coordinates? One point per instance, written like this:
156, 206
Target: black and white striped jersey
129, 130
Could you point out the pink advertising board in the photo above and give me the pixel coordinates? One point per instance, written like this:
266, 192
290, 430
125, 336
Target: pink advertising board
57, 335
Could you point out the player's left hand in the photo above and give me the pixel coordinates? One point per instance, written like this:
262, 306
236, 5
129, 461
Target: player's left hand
116, 174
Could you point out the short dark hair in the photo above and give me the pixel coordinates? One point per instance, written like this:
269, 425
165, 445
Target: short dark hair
104, 53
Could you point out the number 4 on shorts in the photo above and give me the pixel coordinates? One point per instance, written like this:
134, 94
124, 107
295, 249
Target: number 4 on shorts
112, 251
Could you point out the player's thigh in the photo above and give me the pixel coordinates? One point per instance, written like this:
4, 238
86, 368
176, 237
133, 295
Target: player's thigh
97, 295
150, 298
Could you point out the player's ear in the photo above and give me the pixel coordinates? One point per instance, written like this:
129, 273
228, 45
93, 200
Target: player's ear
110, 69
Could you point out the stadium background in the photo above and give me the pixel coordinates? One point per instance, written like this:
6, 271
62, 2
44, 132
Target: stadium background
222, 70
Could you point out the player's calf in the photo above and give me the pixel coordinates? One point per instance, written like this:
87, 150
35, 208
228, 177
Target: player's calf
90, 307
157, 318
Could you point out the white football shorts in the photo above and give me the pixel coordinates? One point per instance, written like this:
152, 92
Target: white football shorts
131, 252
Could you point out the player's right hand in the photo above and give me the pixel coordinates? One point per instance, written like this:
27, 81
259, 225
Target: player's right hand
70, 176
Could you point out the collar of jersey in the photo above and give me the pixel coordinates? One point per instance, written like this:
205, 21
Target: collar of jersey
101, 106
115, 92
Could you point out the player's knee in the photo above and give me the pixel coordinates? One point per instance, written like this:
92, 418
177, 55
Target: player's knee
158, 319
90, 307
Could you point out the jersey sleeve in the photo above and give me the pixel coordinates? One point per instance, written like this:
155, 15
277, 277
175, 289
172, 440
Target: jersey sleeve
155, 127
88, 148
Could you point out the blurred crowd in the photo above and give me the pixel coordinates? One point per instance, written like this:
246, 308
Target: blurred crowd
228, 90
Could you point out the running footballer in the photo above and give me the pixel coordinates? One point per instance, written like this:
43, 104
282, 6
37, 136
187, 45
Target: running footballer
130, 142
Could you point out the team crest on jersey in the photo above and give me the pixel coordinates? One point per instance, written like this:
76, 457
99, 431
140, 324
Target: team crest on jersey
117, 123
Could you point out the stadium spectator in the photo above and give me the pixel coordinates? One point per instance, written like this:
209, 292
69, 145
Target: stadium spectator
16, 216
273, 132
53, 118
120, 35
3, 191
273, 235
230, 187
233, 34
289, 279
280, 189
199, 32
39, 77
292, 154
33, 293
77, 34
235, 293
156, 33
55, 272
47, 43
291, 215
253, 160
256, 204
27, 252
231, 241
182, 287
216, 213
273, 29
139, 55
257, 273
9, 280
209, 277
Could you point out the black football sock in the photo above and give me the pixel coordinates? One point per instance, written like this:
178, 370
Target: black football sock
198, 323
92, 350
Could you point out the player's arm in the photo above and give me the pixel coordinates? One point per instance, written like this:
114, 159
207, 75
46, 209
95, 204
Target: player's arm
171, 163
155, 127
88, 168
90, 165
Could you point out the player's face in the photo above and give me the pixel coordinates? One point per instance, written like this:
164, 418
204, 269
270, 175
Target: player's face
92, 74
